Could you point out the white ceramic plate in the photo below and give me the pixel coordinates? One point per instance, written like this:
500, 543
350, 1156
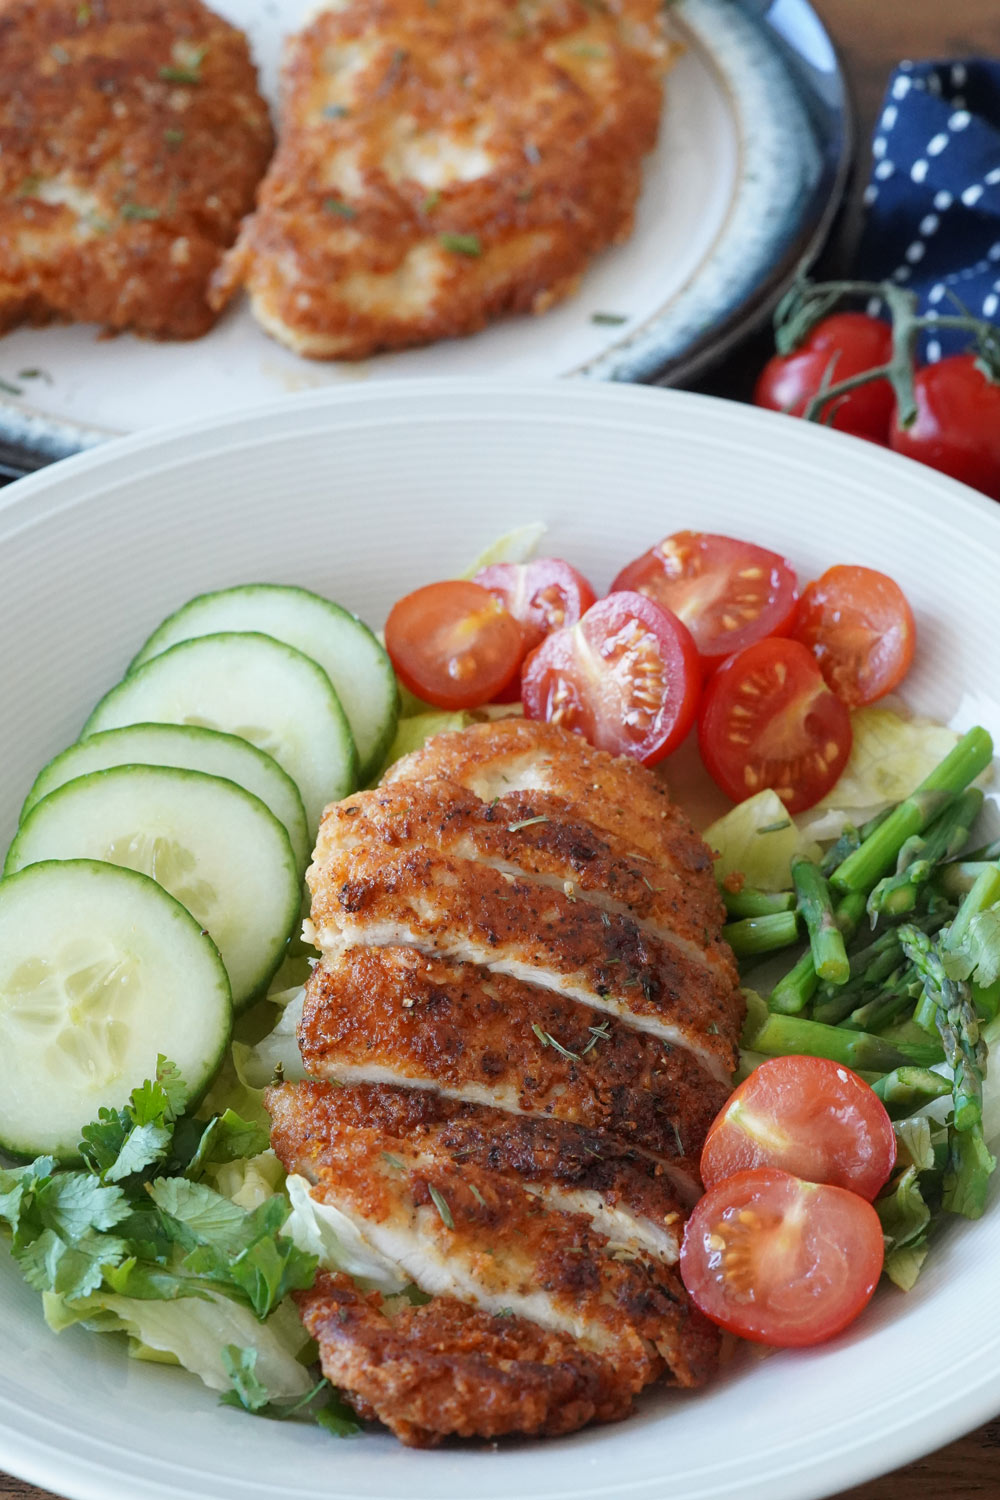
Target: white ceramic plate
752, 156
363, 494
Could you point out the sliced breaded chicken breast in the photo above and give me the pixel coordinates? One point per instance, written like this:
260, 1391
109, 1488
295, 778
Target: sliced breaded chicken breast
132, 140
391, 1015
449, 1369
530, 835
529, 1019
458, 1230
626, 1198
617, 796
443, 164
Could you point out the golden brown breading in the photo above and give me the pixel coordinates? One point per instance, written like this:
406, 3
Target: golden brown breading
616, 795
467, 912
457, 1229
441, 165
392, 1015
625, 1197
530, 834
132, 139
449, 1369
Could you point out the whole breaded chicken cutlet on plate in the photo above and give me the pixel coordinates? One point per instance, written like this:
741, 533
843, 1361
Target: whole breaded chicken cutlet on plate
521, 1024
132, 139
440, 165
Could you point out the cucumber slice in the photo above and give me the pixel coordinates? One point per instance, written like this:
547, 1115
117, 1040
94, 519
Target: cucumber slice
337, 641
252, 686
214, 847
100, 970
189, 749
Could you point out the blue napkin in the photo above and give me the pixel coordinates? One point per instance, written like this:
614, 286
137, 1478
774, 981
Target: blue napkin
933, 200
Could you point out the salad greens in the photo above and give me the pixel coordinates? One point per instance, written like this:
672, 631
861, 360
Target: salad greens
901, 978
137, 1240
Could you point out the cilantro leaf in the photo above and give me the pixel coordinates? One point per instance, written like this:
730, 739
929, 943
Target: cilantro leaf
194, 1214
143, 1146
227, 1137
71, 1203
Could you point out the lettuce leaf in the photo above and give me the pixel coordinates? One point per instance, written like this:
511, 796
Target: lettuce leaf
334, 1240
758, 839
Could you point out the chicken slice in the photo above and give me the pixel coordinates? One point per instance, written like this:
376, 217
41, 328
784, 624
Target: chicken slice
443, 164
449, 1369
132, 139
529, 835
469, 1233
391, 1015
627, 1199
466, 911
613, 793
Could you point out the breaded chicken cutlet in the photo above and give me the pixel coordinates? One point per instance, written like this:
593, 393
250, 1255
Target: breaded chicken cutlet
443, 164
132, 140
521, 1025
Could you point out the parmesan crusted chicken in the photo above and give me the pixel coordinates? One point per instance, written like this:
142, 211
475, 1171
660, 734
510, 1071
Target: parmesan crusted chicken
522, 1023
441, 165
132, 139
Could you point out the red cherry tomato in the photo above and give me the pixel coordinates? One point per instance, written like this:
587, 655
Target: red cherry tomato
840, 346
543, 595
957, 427
728, 593
626, 677
808, 1116
781, 1261
769, 720
860, 628
452, 644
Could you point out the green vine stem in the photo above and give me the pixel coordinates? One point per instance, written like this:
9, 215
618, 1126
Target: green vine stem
808, 303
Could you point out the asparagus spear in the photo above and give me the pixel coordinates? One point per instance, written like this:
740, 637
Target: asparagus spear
957, 1023
897, 894
889, 1005
850, 839
756, 935
879, 851
750, 902
776, 1035
826, 941
985, 892
907, 1089
956, 879
792, 994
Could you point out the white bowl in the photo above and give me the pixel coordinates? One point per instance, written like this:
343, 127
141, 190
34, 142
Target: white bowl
363, 494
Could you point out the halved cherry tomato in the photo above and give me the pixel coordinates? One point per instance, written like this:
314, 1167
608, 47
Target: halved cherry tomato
728, 593
957, 427
840, 346
627, 677
453, 644
769, 720
860, 628
781, 1261
806, 1115
543, 595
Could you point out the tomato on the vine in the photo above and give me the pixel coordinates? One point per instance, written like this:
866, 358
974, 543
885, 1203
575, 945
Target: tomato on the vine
859, 626
805, 1115
957, 426
452, 644
626, 677
769, 720
781, 1261
727, 592
837, 348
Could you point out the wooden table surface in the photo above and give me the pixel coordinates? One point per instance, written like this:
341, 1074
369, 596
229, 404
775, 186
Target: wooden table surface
872, 36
